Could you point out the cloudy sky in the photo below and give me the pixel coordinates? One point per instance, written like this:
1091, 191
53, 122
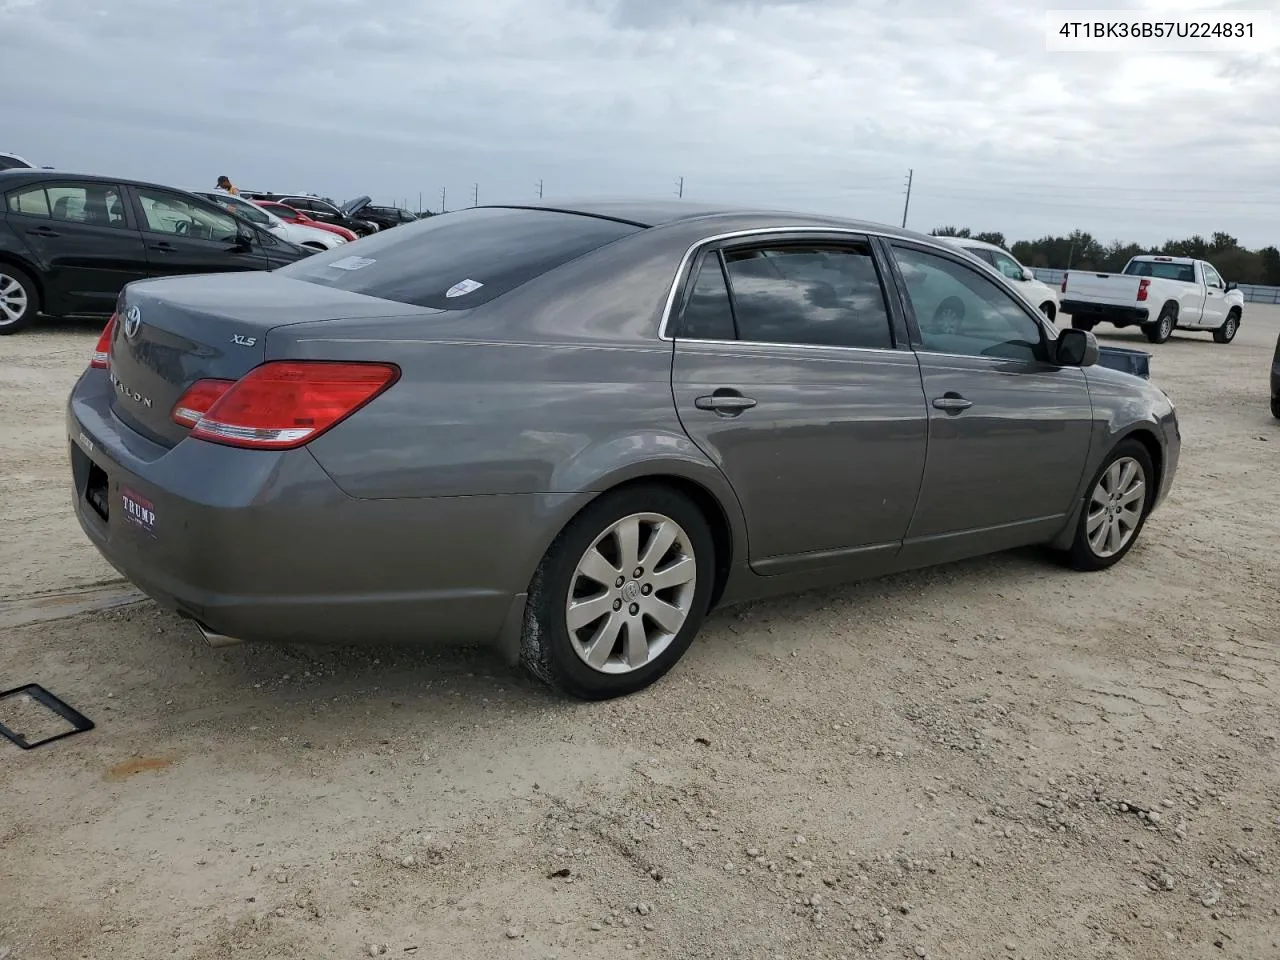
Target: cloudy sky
807, 104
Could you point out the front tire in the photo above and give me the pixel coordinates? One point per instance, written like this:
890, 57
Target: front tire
620, 594
1275, 407
1116, 507
19, 300
1227, 332
1162, 329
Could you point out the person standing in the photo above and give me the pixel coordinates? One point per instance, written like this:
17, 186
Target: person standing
224, 183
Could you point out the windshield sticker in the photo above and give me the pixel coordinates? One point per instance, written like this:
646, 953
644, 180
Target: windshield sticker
351, 263
463, 287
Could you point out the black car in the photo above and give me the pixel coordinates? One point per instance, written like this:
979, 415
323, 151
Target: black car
1275, 381
320, 208
69, 242
384, 217
11, 161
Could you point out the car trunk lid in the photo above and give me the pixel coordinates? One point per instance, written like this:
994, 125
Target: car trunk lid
171, 333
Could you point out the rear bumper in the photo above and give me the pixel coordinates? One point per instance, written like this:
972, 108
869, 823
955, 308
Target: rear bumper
258, 545
1121, 316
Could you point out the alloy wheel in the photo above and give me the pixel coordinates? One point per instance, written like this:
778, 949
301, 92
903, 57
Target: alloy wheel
13, 300
631, 592
1116, 506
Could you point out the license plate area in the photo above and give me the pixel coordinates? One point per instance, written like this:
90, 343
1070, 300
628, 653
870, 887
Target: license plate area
95, 492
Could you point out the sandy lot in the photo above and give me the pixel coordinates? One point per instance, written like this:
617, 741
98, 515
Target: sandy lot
992, 759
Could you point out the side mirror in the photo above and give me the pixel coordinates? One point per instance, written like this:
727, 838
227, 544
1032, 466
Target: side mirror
244, 240
1027, 274
1076, 348
1228, 286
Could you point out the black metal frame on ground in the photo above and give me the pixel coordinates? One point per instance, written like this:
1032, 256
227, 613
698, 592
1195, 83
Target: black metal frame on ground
79, 722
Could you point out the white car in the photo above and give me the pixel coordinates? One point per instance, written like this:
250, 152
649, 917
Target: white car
293, 232
1157, 293
1041, 294
11, 161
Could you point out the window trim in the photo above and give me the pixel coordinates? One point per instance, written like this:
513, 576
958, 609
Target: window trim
917, 340
681, 284
687, 295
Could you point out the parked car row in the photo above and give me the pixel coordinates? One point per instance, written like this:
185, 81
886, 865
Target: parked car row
69, 243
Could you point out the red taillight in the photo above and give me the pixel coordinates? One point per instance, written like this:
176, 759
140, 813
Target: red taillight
1142, 288
286, 403
195, 403
101, 358
1064, 283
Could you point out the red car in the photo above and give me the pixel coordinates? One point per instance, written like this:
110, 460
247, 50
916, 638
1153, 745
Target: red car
288, 213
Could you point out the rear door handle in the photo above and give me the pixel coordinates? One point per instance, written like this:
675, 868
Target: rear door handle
952, 403
162, 247
44, 232
725, 402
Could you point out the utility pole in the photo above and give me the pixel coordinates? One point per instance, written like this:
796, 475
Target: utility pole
442, 194
906, 206
419, 201
539, 189
475, 195
680, 188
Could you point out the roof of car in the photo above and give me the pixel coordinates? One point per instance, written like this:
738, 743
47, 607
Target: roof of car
656, 213
972, 242
33, 175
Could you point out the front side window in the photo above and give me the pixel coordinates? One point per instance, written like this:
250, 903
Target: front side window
243, 208
1211, 276
170, 213
1007, 265
959, 311
815, 294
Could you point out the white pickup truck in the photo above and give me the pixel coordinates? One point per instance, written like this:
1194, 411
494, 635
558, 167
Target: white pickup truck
1158, 294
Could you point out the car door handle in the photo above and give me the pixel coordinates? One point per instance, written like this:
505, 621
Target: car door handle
952, 403
725, 402
43, 232
162, 247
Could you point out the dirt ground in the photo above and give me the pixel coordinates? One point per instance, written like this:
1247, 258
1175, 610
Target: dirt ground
996, 759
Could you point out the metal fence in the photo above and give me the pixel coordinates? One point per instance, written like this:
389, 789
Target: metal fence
1253, 292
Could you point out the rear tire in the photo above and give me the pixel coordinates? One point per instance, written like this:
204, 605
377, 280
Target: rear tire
1227, 332
19, 300
616, 646
1081, 324
1117, 503
1162, 329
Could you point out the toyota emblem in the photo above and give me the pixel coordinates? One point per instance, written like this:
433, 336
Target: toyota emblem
132, 322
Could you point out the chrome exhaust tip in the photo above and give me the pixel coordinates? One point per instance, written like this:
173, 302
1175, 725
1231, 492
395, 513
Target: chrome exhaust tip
216, 639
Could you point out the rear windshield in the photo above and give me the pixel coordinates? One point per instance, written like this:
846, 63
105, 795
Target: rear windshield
456, 261
1164, 271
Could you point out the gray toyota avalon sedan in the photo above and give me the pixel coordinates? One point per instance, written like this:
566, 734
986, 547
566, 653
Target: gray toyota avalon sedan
570, 431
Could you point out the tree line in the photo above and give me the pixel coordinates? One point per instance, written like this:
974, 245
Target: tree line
1083, 251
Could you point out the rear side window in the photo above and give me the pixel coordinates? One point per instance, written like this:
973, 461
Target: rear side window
459, 260
818, 295
32, 202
